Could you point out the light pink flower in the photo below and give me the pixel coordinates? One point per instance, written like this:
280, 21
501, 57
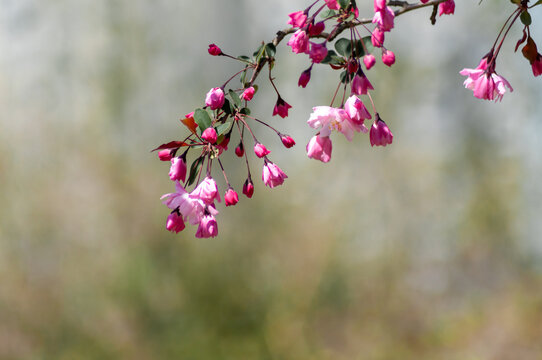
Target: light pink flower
384, 19
287, 141
260, 150
321, 117
248, 94
380, 134
388, 57
209, 135
356, 110
164, 155
175, 223
206, 191
207, 227
446, 8
377, 37
215, 98
327, 119
177, 171
319, 148
332, 4
304, 78
318, 52
369, 61
299, 42
360, 84
248, 188
297, 19
281, 108
272, 175
485, 83
190, 207
214, 50
231, 198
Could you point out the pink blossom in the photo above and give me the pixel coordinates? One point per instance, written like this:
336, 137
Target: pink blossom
231, 198
297, 19
537, 65
177, 171
248, 93
379, 5
214, 50
209, 135
319, 148
485, 83
189, 115
299, 42
384, 19
248, 188
369, 61
321, 117
316, 29
272, 175
190, 207
223, 146
318, 52
360, 84
446, 8
353, 66
304, 78
380, 134
206, 191
332, 4
215, 98
239, 150
260, 150
287, 141
377, 37
164, 155
175, 223
388, 57
424, 1
356, 110
207, 227
327, 119
281, 108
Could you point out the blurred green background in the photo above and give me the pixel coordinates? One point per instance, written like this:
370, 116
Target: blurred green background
426, 249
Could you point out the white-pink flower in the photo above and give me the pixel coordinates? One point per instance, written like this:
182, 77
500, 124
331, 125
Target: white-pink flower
206, 191
357, 111
319, 148
190, 207
272, 175
485, 83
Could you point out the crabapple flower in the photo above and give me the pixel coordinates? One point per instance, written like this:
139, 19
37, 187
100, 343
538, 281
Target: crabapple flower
319, 148
188, 206
446, 8
209, 135
164, 155
377, 37
177, 171
485, 83
272, 175
175, 223
537, 65
388, 57
318, 52
287, 141
248, 188
379, 5
207, 227
424, 1
299, 42
327, 119
384, 19
248, 94
297, 19
214, 50
206, 191
369, 61
356, 110
215, 98
316, 29
260, 150
380, 134
332, 4
304, 78
281, 108
360, 84
231, 197
239, 150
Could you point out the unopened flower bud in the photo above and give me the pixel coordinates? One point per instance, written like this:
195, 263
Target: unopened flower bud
369, 61
209, 135
164, 155
177, 170
377, 37
239, 150
248, 188
231, 198
260, 150
388, 57
214, 50
215, 98
175, 222
352, 66
248, 94
287, 141
304, 78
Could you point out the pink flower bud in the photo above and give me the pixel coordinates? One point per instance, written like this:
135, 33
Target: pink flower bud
380, 134
207, 227
164, 155
281, 108
214, 50
384, 18
209, 135
356, 110
319, 148
299, 42
297, 19
304, 78
260, 150
231, 198
332, 4
360, 84
316, 29
248, 94
272, 175
369, 61
318, 52
352, 66
388, 57
175, 222
287, 141
380, 5
446, 8
177, 170
215, 98
239, 150
189, 115
377, 37
537, 65
248, 188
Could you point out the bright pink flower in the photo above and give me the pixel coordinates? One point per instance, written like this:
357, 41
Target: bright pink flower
388, 57
356, 110
248, 188
231, 197
319, 148
287, 141
223, 146
379, 5
384, 19
209, 135
248, 94
239, 150
215, 98
164, 155
272, 175
446, 8
177, 171
206, 191
537, 65
260, 150
281, 108
299, 42
360, 84
214, 50
189, 115
424, 1
316, 29
380, 134
369, 61
318, 52
304, 78
207, 227
377, 37
190, 207
175, 223
332, 4
297, 19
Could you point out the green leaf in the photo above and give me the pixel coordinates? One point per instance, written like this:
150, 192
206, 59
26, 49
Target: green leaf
257, 52
525, 18
270, 49
245, 111
194, 170
343, 47
228, 107
223, 128
345, 77
328, 57
235, 98
202, 118
244, 58
344, 3
328, 13
368, 44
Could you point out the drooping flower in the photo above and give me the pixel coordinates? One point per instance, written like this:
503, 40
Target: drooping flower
361, 84
357, 111
537, 65
177, 171
446, 8
164, 155
248, 94
380, 134
248, 188
191, 208
174, 222
304, 78
260, 150
214, 50
317, 52
299, 42
239, 150
272, 175
206, 191
207, 227
297, 19
388, 57
316, 29
209, 135
379, 5
319, 148
484, 82
377, 37
287, 141
327, 119
215, 98
281, 108
384, 19
231, 198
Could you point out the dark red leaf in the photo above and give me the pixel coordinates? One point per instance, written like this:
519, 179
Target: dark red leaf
171, 145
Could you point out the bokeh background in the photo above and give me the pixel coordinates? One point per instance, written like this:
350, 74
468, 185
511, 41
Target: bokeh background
426, 249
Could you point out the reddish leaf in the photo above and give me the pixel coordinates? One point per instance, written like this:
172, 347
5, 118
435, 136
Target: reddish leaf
530, 51
171, 145
190, 124
521, 41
